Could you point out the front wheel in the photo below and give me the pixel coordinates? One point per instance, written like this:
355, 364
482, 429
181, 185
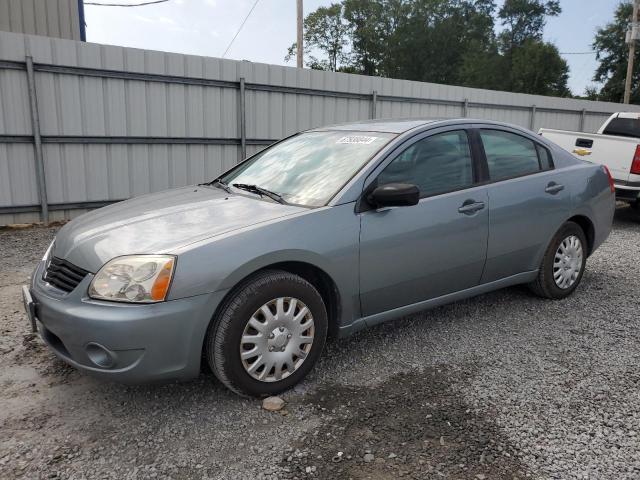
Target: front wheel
268, 335
563, 263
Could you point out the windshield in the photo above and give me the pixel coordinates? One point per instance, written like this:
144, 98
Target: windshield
310, 168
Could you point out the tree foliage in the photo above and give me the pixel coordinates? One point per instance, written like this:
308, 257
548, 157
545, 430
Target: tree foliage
442, 41
613, 54
525, 20
326, 31
530, 65
537, 67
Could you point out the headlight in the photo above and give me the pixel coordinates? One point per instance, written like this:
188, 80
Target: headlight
136, 278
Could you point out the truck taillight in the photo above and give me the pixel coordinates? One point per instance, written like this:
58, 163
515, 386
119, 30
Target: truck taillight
611, 184
635, 165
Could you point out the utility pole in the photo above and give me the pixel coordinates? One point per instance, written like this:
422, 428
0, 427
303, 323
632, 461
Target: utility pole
300, 41
632, 38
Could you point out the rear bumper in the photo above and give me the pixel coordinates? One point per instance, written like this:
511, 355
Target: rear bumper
627, 194
123, 342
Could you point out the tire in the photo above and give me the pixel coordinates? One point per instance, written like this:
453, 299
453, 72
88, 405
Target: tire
230, 328
545, 285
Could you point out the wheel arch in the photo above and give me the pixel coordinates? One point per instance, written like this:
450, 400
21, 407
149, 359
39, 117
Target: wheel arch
308, 270
588, 228
322, 281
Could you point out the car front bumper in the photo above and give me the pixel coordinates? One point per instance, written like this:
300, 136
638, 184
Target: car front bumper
125, 342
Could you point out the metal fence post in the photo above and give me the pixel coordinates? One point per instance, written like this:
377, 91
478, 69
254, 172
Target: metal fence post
532, 121
465, 108
37, 142
374, 101
583, 117
242, 114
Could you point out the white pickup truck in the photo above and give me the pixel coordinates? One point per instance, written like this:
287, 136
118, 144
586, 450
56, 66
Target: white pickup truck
616, 145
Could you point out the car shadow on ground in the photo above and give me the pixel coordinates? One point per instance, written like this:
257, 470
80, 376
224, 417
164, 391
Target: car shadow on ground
626, 216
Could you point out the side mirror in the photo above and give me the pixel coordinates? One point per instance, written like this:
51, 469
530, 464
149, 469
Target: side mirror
394, 195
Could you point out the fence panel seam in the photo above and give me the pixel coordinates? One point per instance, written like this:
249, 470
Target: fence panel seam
37, 141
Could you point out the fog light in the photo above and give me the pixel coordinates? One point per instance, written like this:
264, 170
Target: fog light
100, 355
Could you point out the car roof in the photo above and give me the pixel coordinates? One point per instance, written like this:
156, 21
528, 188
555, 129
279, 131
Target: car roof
403, 125
380, 125
631, 115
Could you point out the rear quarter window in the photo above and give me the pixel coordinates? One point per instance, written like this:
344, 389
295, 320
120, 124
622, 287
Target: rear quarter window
546, 162
509, 155
623, 127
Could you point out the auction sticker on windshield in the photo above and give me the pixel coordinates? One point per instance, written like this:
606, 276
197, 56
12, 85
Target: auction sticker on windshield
357, 140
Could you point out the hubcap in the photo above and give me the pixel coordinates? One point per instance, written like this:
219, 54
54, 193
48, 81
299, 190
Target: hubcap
277, 339
567, 262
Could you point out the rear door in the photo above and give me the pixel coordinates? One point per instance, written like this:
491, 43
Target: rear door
411, 254
528, 201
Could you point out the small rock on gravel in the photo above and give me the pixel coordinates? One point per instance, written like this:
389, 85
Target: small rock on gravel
273, 404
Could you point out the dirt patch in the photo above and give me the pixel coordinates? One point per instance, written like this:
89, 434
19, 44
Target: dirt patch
414, 425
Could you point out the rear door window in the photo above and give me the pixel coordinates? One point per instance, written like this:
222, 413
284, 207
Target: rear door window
509, 155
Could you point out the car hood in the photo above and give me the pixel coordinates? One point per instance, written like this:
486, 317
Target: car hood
159, 223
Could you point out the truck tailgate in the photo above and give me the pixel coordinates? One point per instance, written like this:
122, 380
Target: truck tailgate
614, 152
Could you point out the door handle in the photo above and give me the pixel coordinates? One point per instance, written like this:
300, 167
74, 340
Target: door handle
554, 188
470, 206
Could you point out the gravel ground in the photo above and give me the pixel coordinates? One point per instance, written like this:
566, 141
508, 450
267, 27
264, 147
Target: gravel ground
501, 386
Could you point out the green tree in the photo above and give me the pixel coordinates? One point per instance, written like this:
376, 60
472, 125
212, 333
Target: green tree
442, 41
325, 31
418, 40
531, 65
372, 24
431, 43
484, 69
525, 20
592, 93
537, 67
612, 55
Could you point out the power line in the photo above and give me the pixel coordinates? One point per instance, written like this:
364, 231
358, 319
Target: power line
592, 52
124, 4
238, 32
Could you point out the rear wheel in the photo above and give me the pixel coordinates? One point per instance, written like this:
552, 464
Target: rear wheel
563, 264
268, 335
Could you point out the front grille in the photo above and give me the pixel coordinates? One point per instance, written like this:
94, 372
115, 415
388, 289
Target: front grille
63, 275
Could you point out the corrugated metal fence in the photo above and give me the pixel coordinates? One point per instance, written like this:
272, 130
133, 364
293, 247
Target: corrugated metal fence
53, 18
83, 125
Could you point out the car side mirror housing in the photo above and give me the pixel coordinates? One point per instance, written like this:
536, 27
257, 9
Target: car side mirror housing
394, 195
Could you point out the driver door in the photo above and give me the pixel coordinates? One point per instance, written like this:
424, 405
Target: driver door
439, 246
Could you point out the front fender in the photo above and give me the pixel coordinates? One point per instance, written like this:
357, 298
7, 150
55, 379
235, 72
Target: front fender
280, 256
326, 238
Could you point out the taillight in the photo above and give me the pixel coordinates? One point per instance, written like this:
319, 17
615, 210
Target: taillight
611, 184
635, 165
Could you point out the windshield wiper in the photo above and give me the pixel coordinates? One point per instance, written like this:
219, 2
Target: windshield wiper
220, 184
260, 191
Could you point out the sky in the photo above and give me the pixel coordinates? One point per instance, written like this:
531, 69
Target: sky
205, 27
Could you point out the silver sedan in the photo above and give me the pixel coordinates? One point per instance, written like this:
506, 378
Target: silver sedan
324, 233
